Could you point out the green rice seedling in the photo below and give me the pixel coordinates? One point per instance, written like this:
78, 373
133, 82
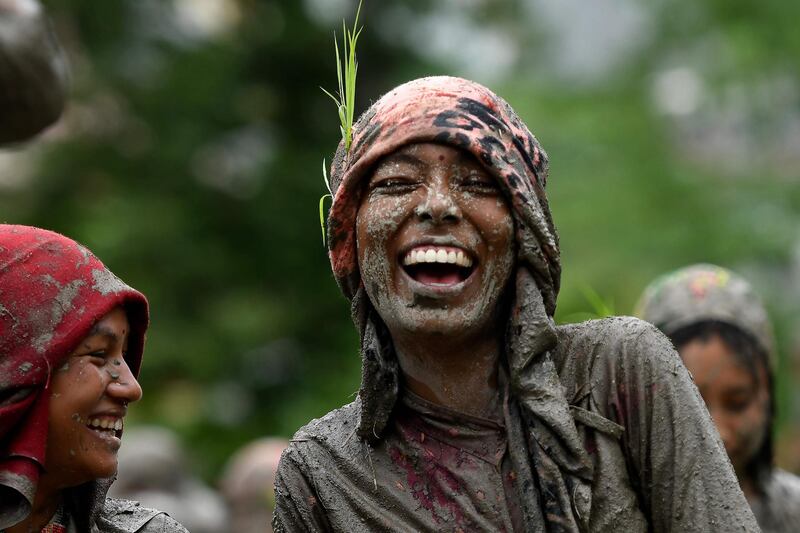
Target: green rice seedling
322, 200
345, 99
346, 70
600, 307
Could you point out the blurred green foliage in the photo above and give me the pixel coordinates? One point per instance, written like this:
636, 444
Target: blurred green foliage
190, 165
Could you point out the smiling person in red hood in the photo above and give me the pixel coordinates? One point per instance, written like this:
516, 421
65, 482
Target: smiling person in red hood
71, 342
476, 412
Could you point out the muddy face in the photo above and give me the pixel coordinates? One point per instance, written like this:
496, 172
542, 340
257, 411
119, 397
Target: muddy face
88, 402
435, 241
737, 401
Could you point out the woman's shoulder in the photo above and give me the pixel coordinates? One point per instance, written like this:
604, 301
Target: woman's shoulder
126, 516
785, 486
333, 428
780, 509
613, 348
614, 331
321, 442
612, 338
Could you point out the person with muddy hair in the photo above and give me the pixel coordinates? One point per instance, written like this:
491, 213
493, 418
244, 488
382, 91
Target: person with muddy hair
723, 334
33, 71
71, 342
476, 412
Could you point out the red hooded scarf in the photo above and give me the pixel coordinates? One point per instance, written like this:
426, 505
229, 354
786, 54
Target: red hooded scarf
52, 292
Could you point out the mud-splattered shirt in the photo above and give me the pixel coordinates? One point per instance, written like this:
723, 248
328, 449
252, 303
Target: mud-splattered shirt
657, 462
778, 510
121, 516
450, 468
129, 517
453, 467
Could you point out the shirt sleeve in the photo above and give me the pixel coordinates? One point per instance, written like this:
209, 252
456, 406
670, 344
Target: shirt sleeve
298, 507
675, 456
163, 523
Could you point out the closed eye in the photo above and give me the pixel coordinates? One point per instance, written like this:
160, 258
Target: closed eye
98, 357
394, 184
481, 185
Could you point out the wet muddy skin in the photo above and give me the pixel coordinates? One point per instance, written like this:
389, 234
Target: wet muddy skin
445, 334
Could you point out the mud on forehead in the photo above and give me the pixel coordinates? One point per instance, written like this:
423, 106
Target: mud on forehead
407, 154
462, 114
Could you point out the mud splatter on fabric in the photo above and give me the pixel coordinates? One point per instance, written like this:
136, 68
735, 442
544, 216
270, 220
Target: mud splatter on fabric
583, 456
436, 470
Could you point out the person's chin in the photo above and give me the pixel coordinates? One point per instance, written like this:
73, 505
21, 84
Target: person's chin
103, 467
437, 321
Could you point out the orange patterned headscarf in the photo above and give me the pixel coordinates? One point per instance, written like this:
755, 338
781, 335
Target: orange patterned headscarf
466, 115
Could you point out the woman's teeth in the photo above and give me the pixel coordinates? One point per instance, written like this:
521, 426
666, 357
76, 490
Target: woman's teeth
108, 424
437, 254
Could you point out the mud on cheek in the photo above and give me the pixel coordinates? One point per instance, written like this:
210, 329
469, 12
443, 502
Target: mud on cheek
375, 224
376, 275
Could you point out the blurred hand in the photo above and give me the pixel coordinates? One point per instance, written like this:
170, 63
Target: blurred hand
33, 71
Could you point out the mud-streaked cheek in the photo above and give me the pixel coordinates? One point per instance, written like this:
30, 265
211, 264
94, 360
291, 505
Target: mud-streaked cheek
497, 229
377, 222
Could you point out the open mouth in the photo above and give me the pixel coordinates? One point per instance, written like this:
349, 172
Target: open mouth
439, 266
106, 426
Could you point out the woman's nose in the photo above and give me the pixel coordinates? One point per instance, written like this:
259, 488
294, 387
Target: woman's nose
439, 206
123, 386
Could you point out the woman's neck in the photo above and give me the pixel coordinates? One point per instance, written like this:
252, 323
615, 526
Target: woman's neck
45, 506
460, 374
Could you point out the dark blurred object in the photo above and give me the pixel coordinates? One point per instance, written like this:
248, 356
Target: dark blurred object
153, 470
248, 484
33, 71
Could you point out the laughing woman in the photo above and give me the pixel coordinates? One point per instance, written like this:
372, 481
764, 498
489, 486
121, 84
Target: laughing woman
71, 341
476, 412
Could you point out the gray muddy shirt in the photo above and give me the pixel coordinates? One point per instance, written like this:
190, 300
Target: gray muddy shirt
125, 516
452, 467
778, 511
658, 464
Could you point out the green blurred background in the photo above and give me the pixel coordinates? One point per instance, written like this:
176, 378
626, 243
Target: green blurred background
189, 159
